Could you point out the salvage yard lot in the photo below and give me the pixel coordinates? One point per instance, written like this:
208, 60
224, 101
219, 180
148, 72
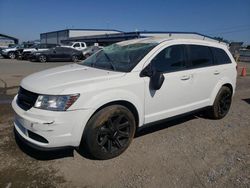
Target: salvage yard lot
187, 152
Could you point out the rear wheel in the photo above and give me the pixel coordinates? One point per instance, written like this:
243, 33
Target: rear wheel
75, 58
221, 104
12, 55
109, 132
42, 58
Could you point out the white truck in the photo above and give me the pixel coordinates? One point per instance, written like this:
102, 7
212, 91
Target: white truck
76, 45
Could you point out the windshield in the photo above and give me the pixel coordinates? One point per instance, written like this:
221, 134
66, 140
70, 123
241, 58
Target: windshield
119, 57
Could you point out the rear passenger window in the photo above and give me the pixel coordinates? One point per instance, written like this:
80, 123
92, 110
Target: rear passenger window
200, 56
170, 59
220, 56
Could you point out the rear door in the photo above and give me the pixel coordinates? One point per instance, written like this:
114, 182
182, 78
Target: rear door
58, 53
205, 74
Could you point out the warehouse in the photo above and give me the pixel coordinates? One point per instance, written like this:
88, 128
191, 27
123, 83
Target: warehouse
6, 40
55, 37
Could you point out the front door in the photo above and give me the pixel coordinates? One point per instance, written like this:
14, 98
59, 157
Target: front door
176, 94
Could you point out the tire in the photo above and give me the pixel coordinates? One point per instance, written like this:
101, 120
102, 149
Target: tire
12, 55
75, 58
109, 132
221, 104
42, 58
87, 55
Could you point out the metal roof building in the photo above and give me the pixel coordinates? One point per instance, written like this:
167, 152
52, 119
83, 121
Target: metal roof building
106, 39
55, 37
6, 40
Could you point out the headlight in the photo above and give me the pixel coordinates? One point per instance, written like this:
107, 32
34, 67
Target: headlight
55, 102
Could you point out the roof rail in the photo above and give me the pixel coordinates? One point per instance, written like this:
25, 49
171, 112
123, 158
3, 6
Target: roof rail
176, 35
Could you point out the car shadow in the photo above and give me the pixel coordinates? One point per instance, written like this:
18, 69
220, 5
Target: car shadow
247, 100
164, 124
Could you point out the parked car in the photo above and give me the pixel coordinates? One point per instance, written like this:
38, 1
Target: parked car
24, 53
98, 104
76, 45
12, 52
57, 54
91, 50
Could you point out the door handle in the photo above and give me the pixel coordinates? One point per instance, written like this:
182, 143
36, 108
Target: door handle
186, 77
216, 72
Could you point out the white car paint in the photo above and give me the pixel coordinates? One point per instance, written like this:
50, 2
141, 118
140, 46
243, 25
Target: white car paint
98, 87
77, 45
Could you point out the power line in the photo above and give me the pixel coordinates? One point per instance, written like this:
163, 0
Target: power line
232, 31
228, 28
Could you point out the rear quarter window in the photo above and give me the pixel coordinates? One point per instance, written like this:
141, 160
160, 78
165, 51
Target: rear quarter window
220, 56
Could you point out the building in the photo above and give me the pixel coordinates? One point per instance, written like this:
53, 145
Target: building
55, 37
107, 39
234, 48
6, 40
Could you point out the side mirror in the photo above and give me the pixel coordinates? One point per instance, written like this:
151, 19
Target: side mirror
146, 72
156, 80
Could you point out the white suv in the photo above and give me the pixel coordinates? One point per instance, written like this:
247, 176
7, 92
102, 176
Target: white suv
98, 104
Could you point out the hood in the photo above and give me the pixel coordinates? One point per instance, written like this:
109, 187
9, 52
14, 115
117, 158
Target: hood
54, 81
9, 49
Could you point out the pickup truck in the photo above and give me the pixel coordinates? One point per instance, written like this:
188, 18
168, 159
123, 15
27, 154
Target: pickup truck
76, 45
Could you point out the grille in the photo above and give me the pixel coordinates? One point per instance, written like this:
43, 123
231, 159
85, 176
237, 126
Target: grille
26, 99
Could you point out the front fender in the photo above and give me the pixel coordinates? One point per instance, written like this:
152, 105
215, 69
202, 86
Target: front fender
106, 97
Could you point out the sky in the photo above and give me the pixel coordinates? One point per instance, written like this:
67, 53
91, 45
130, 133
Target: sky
26, 19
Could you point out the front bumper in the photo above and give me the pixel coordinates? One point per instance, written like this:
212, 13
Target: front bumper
50, 129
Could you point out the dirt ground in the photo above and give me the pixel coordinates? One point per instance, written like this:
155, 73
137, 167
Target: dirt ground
187, 152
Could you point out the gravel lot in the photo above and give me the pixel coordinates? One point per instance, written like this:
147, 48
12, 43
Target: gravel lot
188, 152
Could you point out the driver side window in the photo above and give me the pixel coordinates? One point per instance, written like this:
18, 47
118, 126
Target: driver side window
76, 45
170, 59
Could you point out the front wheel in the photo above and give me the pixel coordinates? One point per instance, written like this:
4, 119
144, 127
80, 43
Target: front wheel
221, 104
75, 58
109, 132
12, 55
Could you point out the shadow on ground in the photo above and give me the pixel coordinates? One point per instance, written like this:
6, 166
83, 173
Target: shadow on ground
247, 100
44, 155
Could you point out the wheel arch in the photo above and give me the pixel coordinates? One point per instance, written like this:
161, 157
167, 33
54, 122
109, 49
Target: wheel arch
223, 82
124, 103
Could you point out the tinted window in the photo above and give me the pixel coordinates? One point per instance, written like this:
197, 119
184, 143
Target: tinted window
76, 45
220, 56
200, 56
83, 45
170, 59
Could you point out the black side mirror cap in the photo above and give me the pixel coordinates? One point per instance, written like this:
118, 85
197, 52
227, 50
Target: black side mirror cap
146, 72
156, 80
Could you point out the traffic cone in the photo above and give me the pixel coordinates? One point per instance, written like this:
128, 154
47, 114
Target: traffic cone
244, 72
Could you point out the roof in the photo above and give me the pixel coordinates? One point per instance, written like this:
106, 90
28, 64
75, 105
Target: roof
82, 30
144, 34
7, 36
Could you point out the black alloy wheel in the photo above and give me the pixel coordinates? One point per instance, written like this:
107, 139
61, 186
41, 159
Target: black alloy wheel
109, 132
